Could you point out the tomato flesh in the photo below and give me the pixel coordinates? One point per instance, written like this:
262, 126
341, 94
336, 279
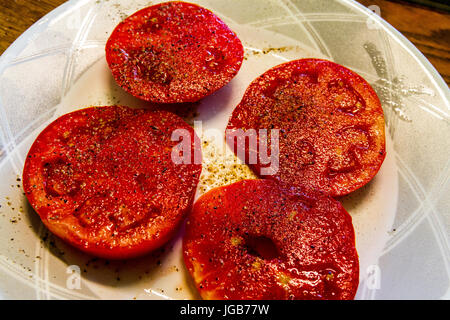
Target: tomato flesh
257, 240
173, 52
102, 179
330, 122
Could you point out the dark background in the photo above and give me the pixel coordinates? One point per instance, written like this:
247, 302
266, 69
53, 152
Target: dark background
426, 23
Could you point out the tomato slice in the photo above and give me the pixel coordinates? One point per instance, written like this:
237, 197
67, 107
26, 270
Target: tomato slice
173, 52
102, 179
257, 240
330, 122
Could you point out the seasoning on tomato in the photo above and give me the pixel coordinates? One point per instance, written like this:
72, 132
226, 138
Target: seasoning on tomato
329, 121
255, 240
173, 52
103, 180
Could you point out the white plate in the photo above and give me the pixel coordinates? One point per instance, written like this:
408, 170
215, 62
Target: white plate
401, 218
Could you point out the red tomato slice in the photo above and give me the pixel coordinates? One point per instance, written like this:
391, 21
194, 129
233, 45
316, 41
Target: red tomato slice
102, 179
330, 122
255, 240
173, 52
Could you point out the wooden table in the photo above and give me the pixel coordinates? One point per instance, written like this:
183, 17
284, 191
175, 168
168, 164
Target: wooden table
428, 29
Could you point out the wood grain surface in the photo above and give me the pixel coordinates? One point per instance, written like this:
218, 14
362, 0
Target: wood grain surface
427, 28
